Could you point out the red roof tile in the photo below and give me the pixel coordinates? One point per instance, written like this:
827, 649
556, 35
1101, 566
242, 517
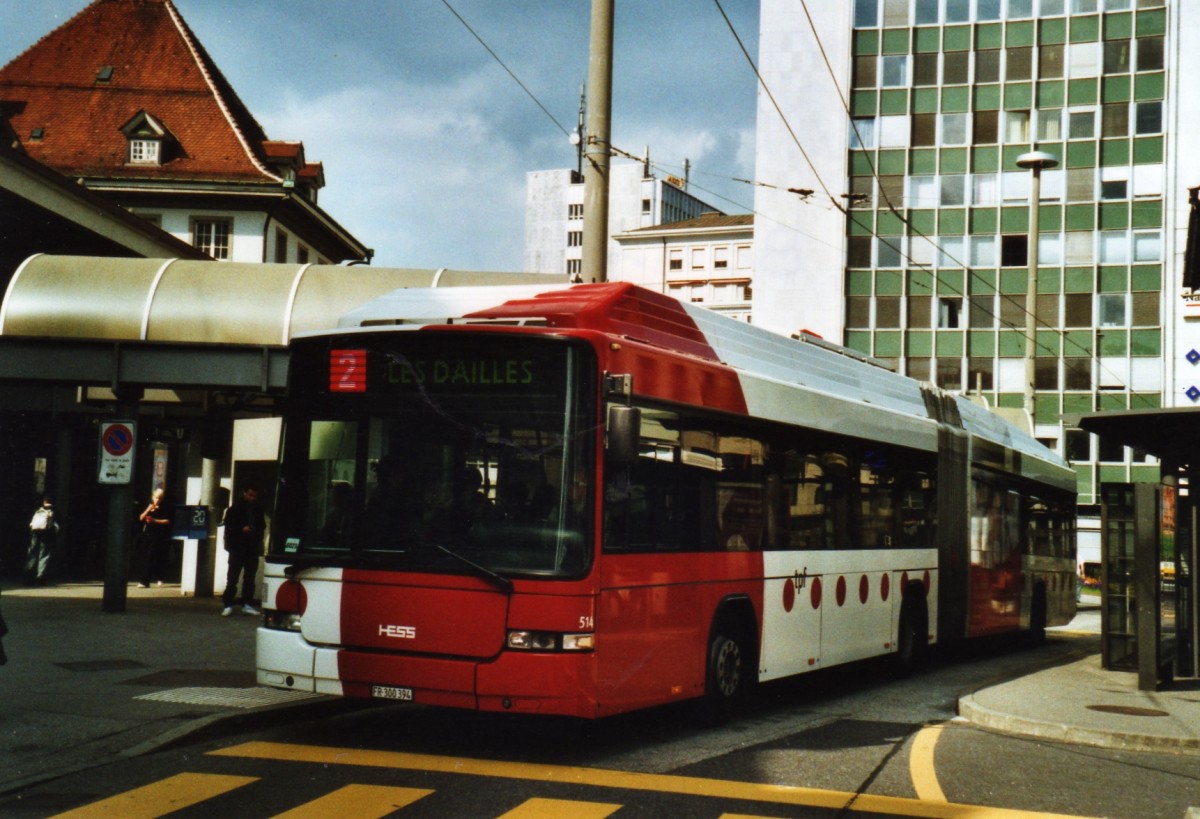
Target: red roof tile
157, 66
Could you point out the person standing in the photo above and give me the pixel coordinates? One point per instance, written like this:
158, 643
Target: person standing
154, 539
43, 532
244, 525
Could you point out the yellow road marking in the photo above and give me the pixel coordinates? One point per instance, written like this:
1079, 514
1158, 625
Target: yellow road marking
561, 809
599, 777
921, 767
359, 801
162, 797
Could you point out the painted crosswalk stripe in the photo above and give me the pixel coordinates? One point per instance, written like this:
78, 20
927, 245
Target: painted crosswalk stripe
560, 809
162, 797
359, 801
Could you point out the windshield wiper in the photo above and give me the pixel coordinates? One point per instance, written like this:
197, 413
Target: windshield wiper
503, 583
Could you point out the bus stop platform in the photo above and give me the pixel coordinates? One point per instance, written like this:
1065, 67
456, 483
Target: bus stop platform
83, 687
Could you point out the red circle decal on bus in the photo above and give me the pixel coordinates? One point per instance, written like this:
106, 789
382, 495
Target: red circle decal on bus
841, 591
815, 593
885, 587
789, 594
864, 589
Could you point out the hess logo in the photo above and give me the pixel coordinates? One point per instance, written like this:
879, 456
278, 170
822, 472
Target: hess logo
398, 632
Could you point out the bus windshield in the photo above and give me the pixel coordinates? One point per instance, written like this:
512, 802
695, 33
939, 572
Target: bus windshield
440, 452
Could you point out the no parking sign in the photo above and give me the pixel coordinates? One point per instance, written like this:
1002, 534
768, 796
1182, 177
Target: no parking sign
116, 451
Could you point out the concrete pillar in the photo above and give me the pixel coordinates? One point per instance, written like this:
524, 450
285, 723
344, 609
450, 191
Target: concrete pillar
120, 504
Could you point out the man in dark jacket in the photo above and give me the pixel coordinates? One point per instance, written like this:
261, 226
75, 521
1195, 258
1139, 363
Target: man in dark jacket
244, 526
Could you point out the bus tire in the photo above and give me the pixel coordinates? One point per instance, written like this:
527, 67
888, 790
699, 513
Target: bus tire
731, 670
1037, 615
912, 642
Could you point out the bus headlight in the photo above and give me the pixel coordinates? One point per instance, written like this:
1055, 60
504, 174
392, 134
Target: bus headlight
281, 620
550, 641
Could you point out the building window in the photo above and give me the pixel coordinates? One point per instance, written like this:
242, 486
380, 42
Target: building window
212, 237
575, 211
1147, 246
1014, 250
956, 67
1082, 125
301, 254
699, 258
862, 132
1016, 127
720, 258
949, 313
1149, 53
1111, 309
1077, 445
281, 247
1116, 57
574, 267
145, 151
675, 260
574, 238
1148, 117
646, 206
895, 71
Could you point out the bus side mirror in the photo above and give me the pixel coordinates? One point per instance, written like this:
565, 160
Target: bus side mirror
624, 430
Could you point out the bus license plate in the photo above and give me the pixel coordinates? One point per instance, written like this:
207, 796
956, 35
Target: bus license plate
388, 692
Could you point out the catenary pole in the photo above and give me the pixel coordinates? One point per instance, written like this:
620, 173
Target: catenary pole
596, 144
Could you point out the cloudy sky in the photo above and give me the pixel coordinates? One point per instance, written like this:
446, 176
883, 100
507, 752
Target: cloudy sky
425, 137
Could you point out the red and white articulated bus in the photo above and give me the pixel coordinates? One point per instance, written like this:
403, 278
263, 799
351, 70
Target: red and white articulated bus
583, 500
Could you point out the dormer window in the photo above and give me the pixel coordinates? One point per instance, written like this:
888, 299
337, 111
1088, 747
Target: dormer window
145, 151
148, 139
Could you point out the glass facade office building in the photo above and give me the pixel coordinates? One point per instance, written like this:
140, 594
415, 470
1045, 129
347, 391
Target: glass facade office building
943, 96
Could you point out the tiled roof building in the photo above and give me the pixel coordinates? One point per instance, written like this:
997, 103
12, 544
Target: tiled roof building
124, 98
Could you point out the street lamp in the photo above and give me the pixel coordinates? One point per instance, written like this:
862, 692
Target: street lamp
1036, 161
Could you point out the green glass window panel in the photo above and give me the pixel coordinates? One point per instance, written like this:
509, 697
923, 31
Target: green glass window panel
859, 223
956, 98
1147, 150
989, 35
927, 39
1046, 409
920, 282
1018, 96
1012, 281
920, 342
951, 282
1112, 401
950, 344
1081, 217
984, 220
1049, 279
858, 283
1148, 213
866, 42
1151, 22
1114, 152
1116, 89
1149, 86
889, 283
982, 282
1118, 26
1019, 33
1009, 160
864, 103
1077, 343
987, 98
1083, 92
1051, 93
896, 40
956, 38
889, 223
887, 344
952, 222
923, 161
1085, 29
1053, 31
985, 160
859, 340
861, 164
1146, 400
1114, 215
1050, 219
1083, 484
1114, 342
1145, 342
1012, 344
1014, 220
1048, 343
1010, 400
1146, 277
981, 343
1112, 473
954, 160
1077, 403
1079, 280
1081, 154
922, 222
1114, 278
925, 100
1142, 473
891, 163
894, 101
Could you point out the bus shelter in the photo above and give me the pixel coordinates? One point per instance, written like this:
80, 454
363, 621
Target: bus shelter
1149, 607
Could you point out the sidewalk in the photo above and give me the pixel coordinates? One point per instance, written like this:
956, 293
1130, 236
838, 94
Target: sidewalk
82, 686
1083, 704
